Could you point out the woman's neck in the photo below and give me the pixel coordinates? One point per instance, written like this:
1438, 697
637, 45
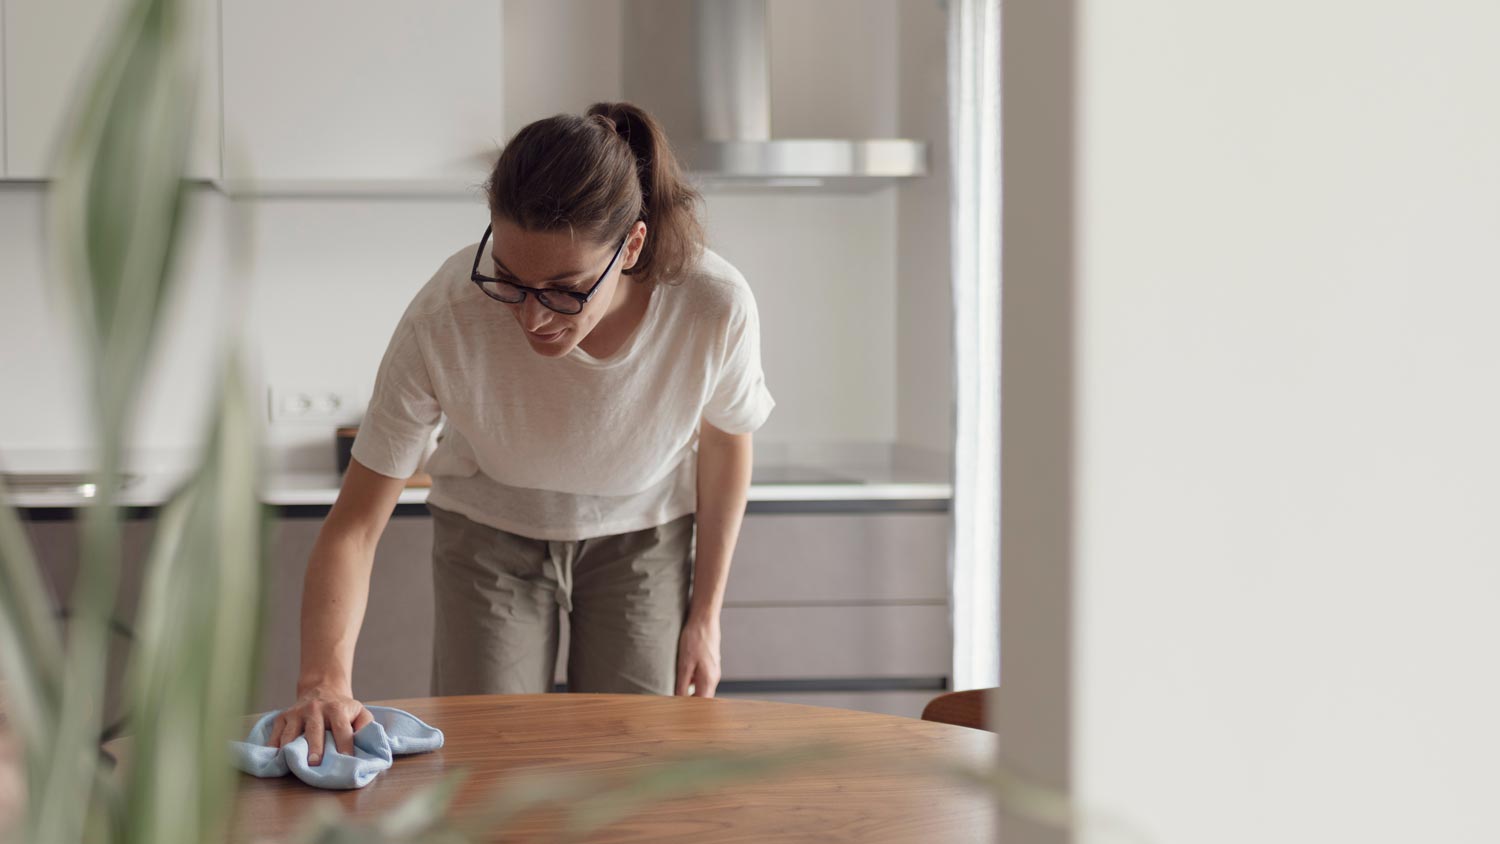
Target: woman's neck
617, 326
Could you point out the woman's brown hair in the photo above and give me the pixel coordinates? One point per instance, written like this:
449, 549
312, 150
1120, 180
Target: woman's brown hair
596, 175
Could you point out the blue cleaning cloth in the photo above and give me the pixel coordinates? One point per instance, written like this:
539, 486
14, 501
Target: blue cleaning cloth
394, 732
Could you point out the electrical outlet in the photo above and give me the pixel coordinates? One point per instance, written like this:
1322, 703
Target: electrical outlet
296, 405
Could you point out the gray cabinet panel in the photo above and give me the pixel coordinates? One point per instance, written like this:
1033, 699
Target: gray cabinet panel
843, 558
905, 704
394, 654
291, 543
393, 657
878, 577
792, 642
56, 545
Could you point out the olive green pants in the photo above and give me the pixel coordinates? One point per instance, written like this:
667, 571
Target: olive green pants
497, 597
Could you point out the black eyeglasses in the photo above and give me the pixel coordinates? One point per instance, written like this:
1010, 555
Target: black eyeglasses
562, 301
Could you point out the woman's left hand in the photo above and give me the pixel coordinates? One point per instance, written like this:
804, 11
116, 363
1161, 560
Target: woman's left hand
698, 657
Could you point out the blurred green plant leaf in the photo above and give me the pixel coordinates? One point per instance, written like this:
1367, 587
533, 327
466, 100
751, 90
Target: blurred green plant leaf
116, 208
423, 813
30, 647
117, 201
590, 801
196, 639
683, 777
422, 817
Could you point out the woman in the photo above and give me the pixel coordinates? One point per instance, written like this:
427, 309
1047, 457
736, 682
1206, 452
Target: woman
600, 375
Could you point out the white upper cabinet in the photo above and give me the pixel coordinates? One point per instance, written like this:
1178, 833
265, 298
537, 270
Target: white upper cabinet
48, 46
351, 91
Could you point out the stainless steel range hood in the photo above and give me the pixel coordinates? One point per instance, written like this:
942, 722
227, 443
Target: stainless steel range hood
728, 137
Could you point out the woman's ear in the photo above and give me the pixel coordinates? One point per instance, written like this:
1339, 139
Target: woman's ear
635, 242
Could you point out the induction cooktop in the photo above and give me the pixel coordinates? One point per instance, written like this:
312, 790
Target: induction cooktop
797, 475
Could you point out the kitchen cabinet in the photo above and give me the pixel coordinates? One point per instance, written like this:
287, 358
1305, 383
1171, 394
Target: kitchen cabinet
348, 91
49, 46
393, 656
840, 558
829, 609
56, 545
841, 595
837, 597
849, 608
394, 653
905, 704
325, 93
768, 643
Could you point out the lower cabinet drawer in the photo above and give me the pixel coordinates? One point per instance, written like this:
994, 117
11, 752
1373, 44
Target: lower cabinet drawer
905, 704
394, 654
56, 546
833, 558
393, 657
813, 643
854, 641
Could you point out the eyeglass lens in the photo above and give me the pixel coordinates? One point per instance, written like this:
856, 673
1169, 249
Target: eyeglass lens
511, 294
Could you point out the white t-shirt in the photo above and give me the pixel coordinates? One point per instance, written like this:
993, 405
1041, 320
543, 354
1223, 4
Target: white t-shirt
573, 447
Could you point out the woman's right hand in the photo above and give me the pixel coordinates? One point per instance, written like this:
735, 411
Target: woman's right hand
318, 710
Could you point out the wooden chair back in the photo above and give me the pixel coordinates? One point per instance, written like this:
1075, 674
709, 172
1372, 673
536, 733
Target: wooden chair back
962, 709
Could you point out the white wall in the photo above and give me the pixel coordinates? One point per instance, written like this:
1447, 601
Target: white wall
924, 292
329, 279
823, 269
1285, 542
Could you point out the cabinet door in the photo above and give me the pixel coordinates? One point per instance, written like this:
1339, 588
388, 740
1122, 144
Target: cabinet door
825, 596
840, 558
57, 546
779, 643
352, 90
393, 656
49, 46
904, 704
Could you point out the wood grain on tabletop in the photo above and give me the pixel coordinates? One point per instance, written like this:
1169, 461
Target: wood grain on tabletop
504, 738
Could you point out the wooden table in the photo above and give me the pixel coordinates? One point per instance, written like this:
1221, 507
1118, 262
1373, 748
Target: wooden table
855, 795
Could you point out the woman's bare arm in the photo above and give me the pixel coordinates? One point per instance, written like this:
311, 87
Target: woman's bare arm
334, 594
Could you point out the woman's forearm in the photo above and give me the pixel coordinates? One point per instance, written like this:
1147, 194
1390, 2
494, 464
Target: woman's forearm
334, 595
724, 462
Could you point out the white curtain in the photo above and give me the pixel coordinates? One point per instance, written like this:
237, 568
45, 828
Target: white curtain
974, 139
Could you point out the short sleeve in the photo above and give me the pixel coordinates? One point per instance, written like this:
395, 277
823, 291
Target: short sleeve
739, 402
403, 410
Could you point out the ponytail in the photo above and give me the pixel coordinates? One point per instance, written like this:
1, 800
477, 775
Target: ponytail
669, 204
598, 174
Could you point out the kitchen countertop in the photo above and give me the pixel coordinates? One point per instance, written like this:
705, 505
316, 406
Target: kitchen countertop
794, 485
322, 487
